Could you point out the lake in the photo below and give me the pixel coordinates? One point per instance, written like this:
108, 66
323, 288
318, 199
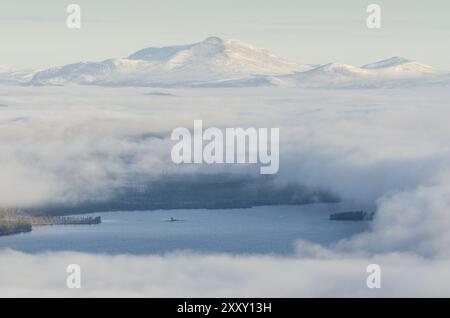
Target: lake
259, 230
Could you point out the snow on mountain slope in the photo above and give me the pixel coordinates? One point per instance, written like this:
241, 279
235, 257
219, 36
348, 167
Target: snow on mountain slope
399, 66
393, 72
12, 76
211, 61
332, 74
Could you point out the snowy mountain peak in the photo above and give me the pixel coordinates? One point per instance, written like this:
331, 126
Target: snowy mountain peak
211, 61
214, 40
209, 47
216, 50
327, 75
338, 68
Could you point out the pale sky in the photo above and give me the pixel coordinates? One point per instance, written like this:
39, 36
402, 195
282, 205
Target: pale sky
34, 34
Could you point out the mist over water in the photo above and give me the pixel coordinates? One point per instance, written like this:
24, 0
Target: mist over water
385, 150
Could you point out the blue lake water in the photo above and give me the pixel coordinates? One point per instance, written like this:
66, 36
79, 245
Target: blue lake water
258, 230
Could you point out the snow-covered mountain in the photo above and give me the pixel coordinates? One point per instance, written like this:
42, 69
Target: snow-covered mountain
12, 76
210, 62
393, 72
228, 63
332, 74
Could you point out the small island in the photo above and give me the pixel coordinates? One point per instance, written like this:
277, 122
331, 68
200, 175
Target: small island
353, 216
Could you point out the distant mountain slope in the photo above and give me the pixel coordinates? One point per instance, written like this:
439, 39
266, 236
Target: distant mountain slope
12, 76
393, 72
211, 61
215, 62
332, 74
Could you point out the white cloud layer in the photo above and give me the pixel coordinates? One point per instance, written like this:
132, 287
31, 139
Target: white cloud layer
67, 143
387, 148
192, 275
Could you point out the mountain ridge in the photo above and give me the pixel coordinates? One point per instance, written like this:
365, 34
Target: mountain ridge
217, 62
212, 60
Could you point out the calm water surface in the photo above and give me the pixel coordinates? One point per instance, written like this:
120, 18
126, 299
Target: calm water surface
258, 230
